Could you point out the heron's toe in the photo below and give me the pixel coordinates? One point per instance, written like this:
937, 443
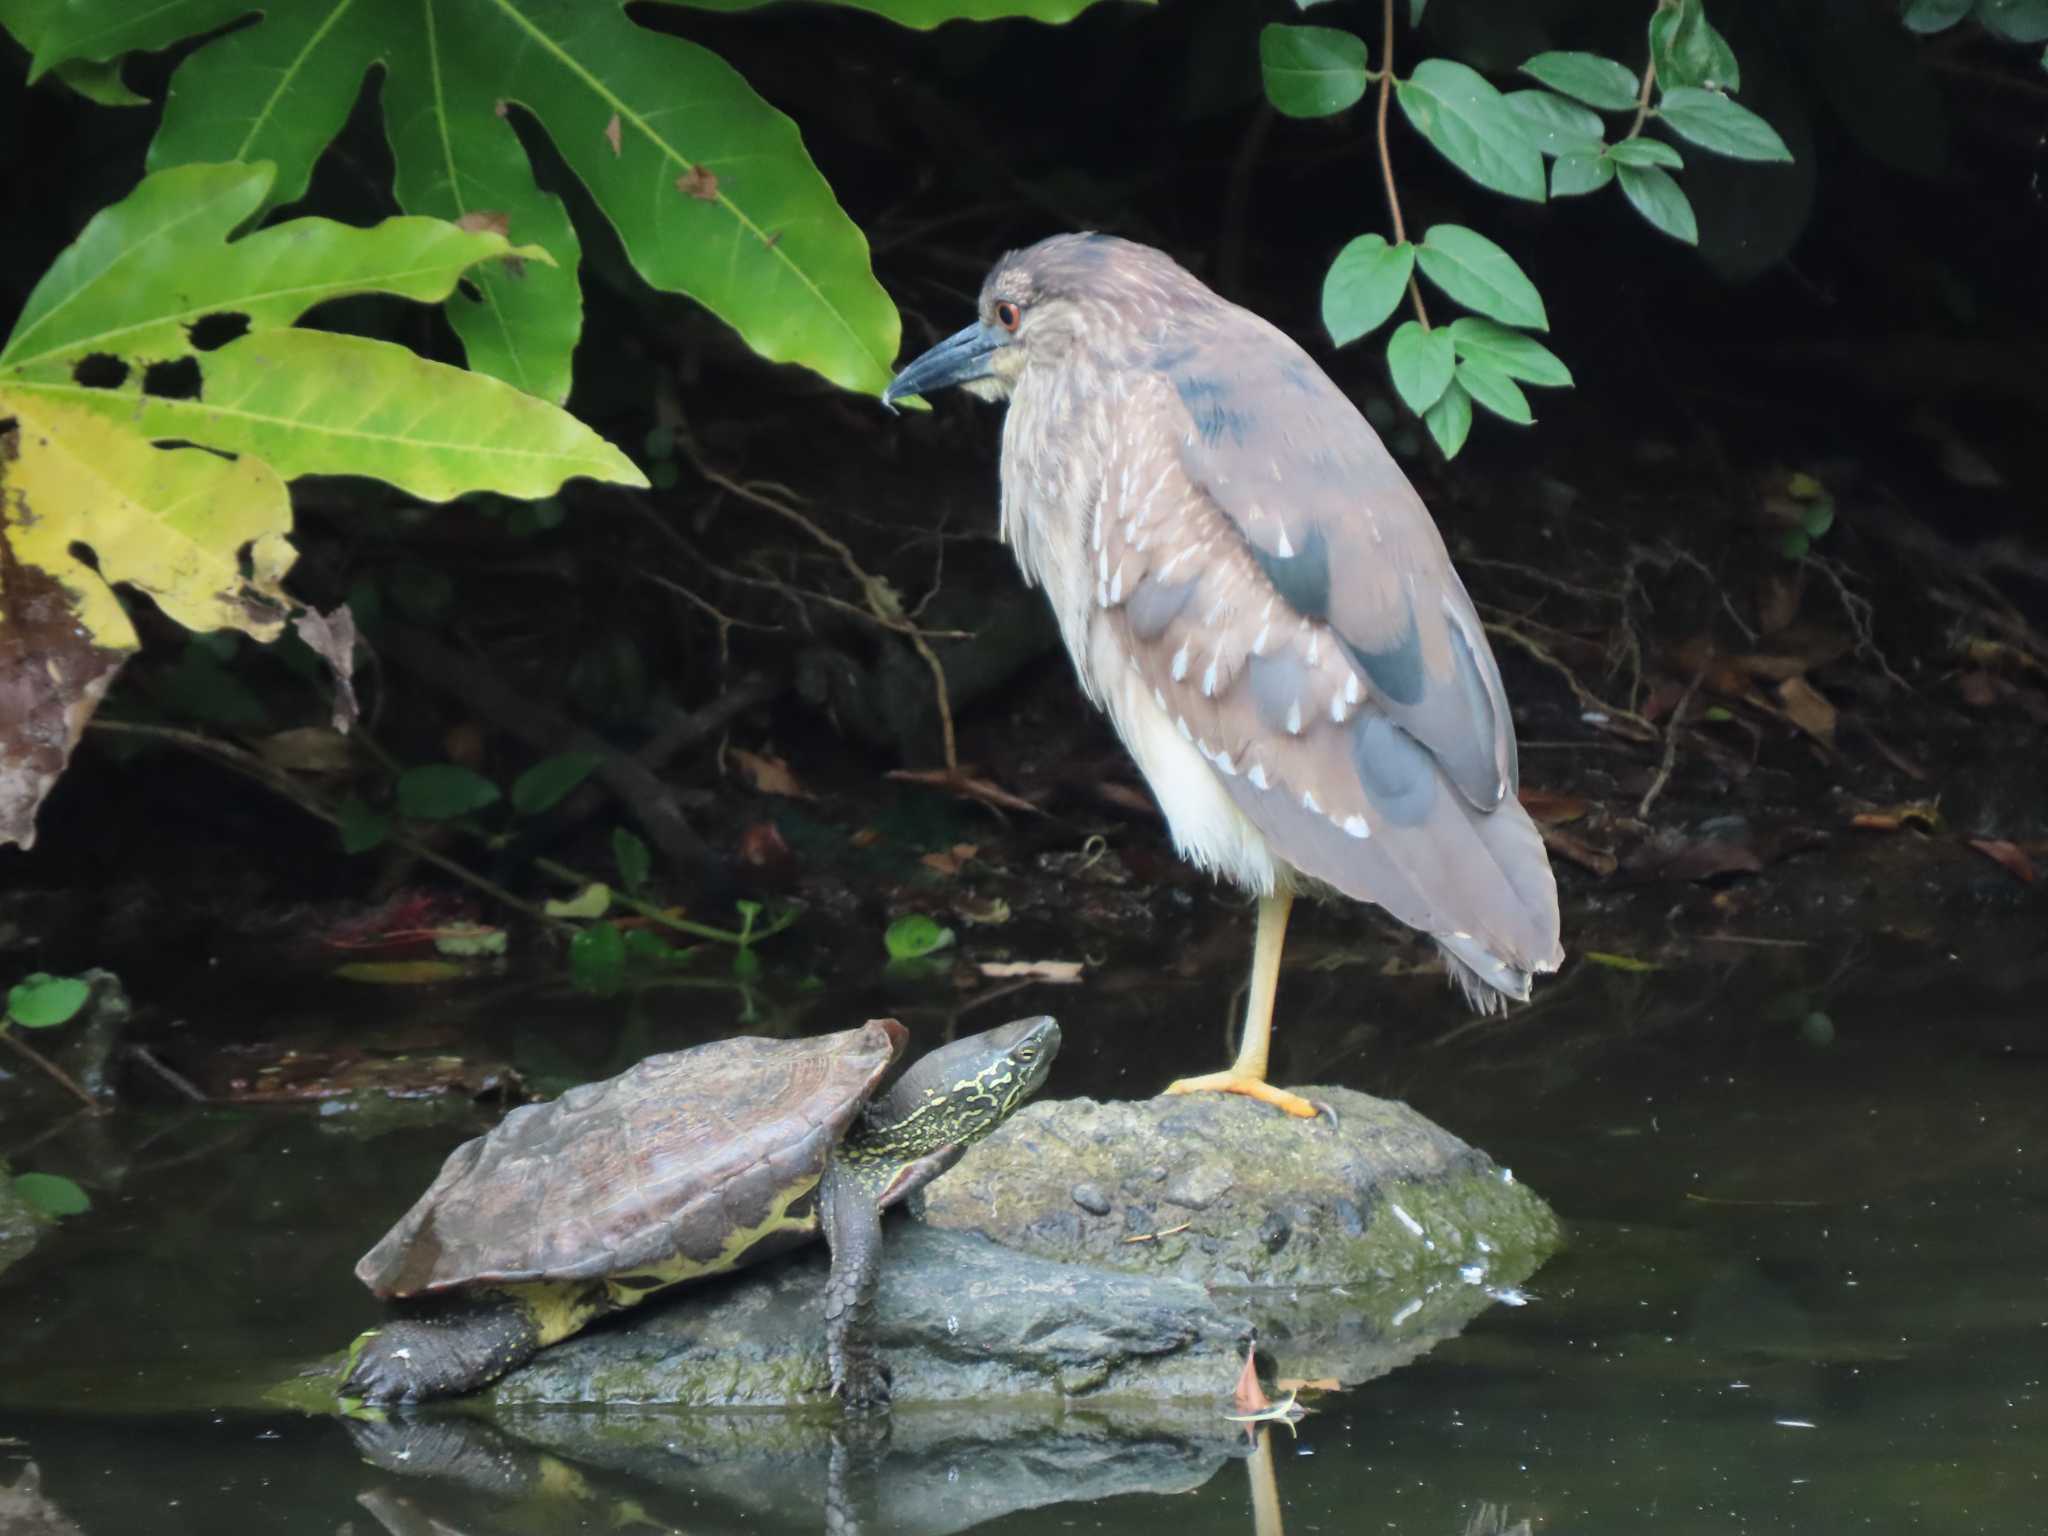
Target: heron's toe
1252, 1088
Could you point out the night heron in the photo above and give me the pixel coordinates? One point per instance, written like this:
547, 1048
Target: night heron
1252, 590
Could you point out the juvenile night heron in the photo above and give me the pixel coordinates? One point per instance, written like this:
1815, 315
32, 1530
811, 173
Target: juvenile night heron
1252, 590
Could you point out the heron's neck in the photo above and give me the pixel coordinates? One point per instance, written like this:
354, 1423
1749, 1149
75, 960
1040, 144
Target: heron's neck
1055, 441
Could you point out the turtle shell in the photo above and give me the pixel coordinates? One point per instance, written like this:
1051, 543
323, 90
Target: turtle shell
667, 1160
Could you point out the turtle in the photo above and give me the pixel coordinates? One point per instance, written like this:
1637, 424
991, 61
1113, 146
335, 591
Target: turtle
689, 1164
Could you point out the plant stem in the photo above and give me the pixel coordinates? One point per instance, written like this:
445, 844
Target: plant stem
63, 1078
1643, 99
744, 939
1386, 156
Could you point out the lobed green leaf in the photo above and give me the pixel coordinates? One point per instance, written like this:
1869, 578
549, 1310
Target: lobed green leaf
1421, 363
1469, 123
1311, 71
1364, 285
1587, 77
1481, 276
1660, 200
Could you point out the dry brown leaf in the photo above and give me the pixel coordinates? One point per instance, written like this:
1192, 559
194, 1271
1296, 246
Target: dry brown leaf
1924, 815
1307, 1384
332, 637
1571, 846
307, 749
1548, 808
1248, 1396
1127, 797
1808, 709
611, 135
951, 860
963, 781
486, 221
1060, 972
2008, 856
866, 837
762, 847
769, 775
698, 182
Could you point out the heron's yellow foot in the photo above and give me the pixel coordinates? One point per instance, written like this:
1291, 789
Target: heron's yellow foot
1251, 1087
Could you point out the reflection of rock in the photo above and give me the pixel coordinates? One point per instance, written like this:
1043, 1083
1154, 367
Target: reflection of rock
1353, 1247
942, 1470
957, 1317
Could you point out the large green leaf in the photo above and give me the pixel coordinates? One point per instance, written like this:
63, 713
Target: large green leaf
709, 187
1714, 122
1587, 77
1311, 71
1509, 352
1642, 151
1558, 126
1457, 109
1659, 198
923, 15
1480, 275
1420, 363
1576, 174
1364, 285
1495, 390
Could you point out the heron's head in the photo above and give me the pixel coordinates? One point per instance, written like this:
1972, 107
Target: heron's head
1043, 302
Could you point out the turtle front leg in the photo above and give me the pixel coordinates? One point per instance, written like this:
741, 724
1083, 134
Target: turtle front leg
852, 1224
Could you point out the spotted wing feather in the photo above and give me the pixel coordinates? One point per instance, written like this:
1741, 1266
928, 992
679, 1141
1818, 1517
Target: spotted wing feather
1354, 716
669, 1158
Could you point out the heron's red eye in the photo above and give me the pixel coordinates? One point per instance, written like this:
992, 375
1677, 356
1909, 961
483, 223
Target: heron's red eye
1008, 315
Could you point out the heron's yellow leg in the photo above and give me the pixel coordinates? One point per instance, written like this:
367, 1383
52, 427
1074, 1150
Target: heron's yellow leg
1247, 1075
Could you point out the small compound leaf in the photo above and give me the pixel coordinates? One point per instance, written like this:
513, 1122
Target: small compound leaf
634, 862
1470, 124
1575, 175
1481, 276
1496, 391
1509, 352
443, 791
1587, 77
52, 1194
1450, 420
1364, 286
543, 786
913, 936
1659, 199
1420, 362
1641, 151
1714, 122
43, 1001
1557, 126
1311, 71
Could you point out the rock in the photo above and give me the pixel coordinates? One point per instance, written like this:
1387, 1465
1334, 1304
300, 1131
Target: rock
1229, 1193
959, 1317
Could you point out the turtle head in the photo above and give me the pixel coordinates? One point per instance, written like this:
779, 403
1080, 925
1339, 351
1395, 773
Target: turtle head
961, 1092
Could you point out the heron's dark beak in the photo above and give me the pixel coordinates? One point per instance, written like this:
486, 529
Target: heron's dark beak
959, 359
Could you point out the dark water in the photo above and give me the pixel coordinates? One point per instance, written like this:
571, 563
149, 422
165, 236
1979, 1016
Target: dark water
1807, 1286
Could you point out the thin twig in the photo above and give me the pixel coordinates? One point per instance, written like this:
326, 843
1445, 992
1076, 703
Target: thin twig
62, 1078
1386, 153
1643, 99
1588, 700
177, 1080
1670, 746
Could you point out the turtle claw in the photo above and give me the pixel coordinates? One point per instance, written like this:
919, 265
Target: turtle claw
862, 1386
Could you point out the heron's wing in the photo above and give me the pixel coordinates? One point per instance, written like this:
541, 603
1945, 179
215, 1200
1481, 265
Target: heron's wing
1342, 537
1197, 645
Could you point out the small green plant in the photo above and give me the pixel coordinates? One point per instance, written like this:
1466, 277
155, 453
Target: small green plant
43, 1001
1501, 140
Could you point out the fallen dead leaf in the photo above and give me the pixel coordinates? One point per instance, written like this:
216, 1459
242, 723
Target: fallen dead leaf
1307, 1384
1248, 1396
698, 182
1577, 849
1676, 857
950, 861
1127, 797
332, 637
1923, 815
611, 135
1809, 710
307, 749
762, 846
1549, 809
769, 775
1060, 972
964, 782
2008, 856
